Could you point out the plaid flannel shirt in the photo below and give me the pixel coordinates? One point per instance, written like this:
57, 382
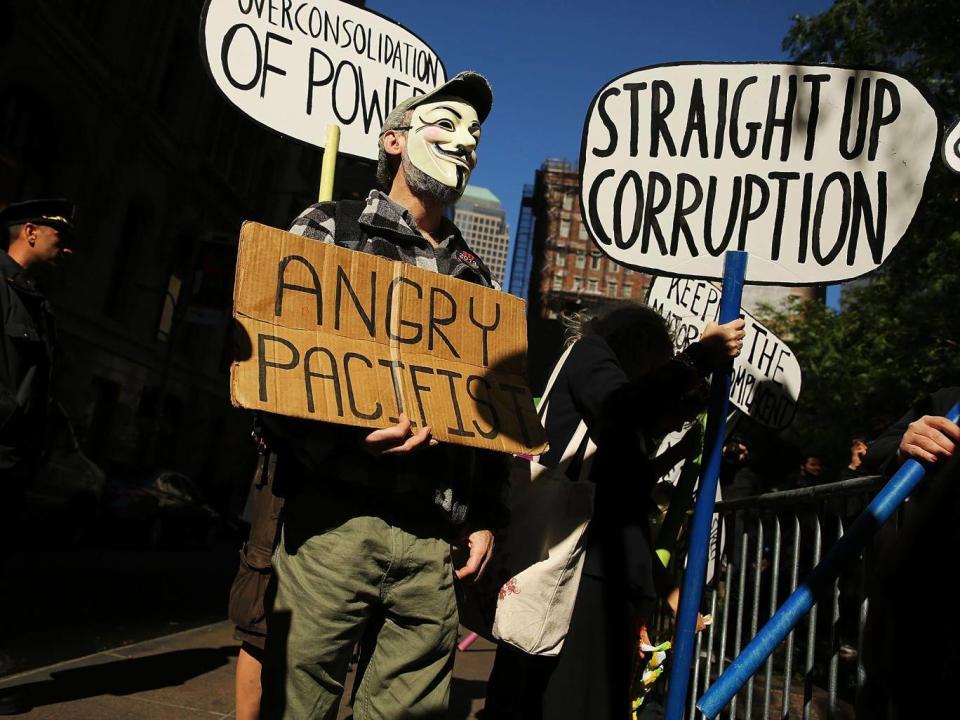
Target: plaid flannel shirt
392, 232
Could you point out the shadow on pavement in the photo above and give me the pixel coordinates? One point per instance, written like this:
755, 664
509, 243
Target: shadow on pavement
124, 677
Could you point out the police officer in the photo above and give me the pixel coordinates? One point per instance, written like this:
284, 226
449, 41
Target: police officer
37, 234
40, 233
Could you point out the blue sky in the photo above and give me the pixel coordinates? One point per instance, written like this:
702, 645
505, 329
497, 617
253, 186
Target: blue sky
546, 60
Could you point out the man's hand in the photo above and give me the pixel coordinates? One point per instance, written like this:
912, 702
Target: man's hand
480, 544
397, 439
724, 341
929, 438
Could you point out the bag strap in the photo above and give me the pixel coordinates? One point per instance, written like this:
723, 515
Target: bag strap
545, 398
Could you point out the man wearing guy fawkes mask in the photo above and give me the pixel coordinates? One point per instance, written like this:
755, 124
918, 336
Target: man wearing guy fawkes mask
370, 517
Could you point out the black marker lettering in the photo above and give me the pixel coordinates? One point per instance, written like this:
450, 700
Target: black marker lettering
486, 402
885, 89
658, 113
618, 210
394, 366
378, 409
608, 123
721, 119
369, 320
784, 122
485, 329
844, 181
346, 119
654, 207
391, 301
312, 82
596, 226
814, 116
681, 211
805, 217
716, 250
863, 211
267, 67
782, 178
696, 121
747, 215
436, 321
418, 388
283, 285
225, 52
333, 376
742, 151
263, 363
634, 90
459, 430
845, 150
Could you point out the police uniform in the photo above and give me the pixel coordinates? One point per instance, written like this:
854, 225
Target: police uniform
26, 352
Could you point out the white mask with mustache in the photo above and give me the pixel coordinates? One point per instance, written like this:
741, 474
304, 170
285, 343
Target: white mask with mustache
442, 141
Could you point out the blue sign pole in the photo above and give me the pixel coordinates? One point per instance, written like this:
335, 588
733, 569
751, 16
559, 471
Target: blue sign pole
803, 598
734, 272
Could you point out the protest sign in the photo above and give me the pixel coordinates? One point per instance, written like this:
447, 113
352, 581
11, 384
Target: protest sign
951, 148
300, 65
816, 171
766, 375
352, 338
683, 476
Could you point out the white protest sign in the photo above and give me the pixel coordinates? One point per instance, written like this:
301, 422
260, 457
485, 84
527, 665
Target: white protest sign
299, 65
951, 148
672, 476
766, 376
816, 171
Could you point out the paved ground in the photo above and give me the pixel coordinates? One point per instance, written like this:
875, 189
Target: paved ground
59, 603
184, 676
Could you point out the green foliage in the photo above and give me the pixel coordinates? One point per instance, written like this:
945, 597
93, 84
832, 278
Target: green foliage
898, 336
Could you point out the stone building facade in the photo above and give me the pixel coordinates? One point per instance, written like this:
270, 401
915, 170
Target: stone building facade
113, 109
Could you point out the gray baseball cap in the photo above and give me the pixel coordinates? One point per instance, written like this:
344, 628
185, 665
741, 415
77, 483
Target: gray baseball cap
472, 87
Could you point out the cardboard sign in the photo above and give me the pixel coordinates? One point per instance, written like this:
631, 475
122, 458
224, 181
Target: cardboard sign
816, 171
718, 529
300, 65
766, 375
355, 339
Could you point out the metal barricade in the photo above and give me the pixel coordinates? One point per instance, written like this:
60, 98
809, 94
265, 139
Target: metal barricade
770, 542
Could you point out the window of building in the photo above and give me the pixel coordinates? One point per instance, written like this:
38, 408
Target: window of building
577, 284
558, 282
628, 290
564, 227
561, 257
592, 285
595, 259
583, 232
568, 201
581, 259
612, 287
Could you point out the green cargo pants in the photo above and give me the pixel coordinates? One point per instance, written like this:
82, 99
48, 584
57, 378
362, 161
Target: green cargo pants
328, 581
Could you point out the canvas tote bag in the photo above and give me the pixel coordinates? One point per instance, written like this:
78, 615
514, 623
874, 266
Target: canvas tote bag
539, 557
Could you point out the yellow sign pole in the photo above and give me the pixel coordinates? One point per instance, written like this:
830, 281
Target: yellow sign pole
329, 168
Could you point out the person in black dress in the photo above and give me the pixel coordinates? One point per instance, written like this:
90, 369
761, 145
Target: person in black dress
622, 379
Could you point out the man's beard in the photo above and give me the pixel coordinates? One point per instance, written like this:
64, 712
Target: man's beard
426, 187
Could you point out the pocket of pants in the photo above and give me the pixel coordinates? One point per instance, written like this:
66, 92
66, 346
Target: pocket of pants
247, 594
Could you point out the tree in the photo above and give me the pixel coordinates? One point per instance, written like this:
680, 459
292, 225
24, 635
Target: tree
898, 335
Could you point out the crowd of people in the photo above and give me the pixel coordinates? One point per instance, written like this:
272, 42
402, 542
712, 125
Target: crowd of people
352, 530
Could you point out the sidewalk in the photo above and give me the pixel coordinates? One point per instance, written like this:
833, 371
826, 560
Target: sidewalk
186, 675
